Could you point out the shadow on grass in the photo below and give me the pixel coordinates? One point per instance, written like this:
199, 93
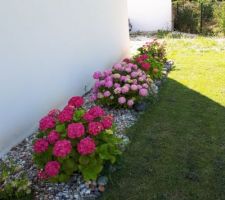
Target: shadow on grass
177, 150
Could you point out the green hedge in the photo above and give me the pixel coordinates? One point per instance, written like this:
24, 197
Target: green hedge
207, 18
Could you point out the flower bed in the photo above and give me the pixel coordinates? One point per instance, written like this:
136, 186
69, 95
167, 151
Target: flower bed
75, 140
85, 139
122, 86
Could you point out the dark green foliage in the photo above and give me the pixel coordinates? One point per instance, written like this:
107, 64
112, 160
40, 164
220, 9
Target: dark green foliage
205, 17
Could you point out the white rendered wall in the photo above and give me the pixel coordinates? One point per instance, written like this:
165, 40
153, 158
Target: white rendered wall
48, 52
150, 15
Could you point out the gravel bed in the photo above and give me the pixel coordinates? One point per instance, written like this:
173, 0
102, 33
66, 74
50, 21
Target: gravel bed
76, 188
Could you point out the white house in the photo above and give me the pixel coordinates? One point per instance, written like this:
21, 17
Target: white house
150, 15
48, 52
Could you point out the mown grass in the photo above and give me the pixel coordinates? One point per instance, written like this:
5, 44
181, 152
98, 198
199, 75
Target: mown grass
177, 149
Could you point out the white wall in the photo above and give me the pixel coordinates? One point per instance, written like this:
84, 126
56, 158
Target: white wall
150, 15
48, 52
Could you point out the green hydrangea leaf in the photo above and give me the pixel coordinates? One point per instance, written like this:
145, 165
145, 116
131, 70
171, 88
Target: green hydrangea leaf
78, 114
60, 128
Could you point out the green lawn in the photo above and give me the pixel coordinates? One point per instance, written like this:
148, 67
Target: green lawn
177, 149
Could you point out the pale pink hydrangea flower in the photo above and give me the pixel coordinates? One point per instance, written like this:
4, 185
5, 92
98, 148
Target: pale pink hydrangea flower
130, 102
143, 92
107, 93
122, 100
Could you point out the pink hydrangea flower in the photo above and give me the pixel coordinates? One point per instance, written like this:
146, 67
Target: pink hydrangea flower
107, 93
54, 113
125, 89
117, 66
53, 137
116, 85
128, 69
97, 75
52, 168
102, 82
46, 122
66, 114
118, 90
86, 146
107, 122
116, 76
96, 111
130, 102
134, 87
134, 74
109, 84
93, 97
40, 146
62, 148
122, 100
145, 85
76, 101
97, 84
107, 72
75, 130
94, 128
143, 92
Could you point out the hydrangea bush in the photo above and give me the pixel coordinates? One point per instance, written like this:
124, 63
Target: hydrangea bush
75, 140
122, 86
151, 58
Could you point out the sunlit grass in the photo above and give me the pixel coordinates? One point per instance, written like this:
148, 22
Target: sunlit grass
177, 149
200, 65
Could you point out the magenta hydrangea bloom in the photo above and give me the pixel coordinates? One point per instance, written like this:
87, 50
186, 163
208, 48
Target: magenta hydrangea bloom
107, 122
122, 100
143, 92
86, 146
94, 128
88, 117
76, 101
52, 168
40, 146
42, 175
54, 113
46, 122
66, 115
75, 130
62, 148
96, 111
53, 137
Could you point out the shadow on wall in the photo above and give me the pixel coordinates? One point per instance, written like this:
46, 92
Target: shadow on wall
176, 150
